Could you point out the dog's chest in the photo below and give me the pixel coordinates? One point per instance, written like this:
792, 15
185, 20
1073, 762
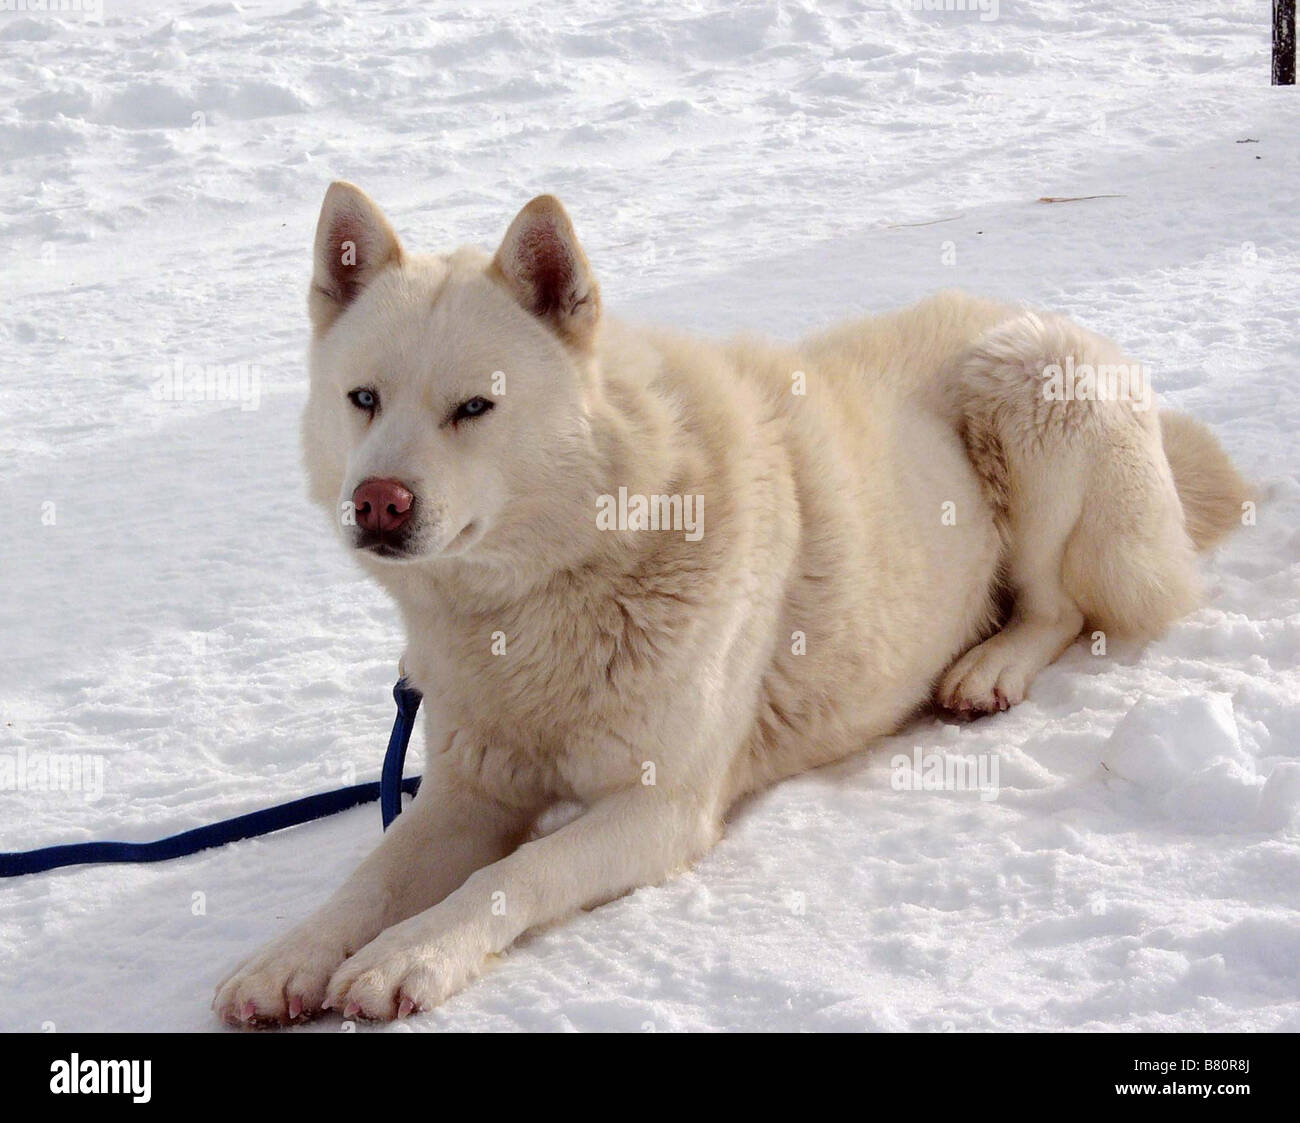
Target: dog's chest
549, 698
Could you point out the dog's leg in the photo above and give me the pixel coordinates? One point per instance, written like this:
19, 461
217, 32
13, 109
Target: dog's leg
1044, 620
635, 837
448, 832
1095, 532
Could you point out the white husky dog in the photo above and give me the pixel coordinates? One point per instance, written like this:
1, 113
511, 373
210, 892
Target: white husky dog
650, 574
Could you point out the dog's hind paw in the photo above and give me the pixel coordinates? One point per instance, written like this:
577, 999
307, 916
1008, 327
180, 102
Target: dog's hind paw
984, 681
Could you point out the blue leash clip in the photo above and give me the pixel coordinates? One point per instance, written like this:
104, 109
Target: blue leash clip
388, 790
391, 784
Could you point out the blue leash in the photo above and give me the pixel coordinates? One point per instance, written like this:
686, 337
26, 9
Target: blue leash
388, 790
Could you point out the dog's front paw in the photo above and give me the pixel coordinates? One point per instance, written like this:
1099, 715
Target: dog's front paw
283, 982
401, 972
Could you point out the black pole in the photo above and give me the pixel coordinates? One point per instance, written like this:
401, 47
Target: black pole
1284, 42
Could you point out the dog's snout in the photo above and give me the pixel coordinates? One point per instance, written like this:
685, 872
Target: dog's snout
382, 505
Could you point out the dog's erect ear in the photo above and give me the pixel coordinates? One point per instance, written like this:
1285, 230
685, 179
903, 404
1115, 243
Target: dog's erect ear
542, 264
353, 244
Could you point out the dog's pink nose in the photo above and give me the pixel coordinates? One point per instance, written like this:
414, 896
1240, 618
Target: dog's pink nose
382, 505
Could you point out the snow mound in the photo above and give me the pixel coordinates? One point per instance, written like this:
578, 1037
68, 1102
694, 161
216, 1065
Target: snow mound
1185, 756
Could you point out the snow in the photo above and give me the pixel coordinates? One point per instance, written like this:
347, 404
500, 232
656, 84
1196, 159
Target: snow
176, 611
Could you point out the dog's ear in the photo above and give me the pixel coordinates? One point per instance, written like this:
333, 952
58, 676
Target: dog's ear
353, 244
543, 266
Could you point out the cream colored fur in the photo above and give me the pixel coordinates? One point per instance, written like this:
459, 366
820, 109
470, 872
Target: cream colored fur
869, 497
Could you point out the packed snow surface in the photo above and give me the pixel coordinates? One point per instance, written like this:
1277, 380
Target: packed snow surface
175, 612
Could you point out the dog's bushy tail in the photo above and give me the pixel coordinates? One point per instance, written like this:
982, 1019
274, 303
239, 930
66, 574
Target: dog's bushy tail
1210, 488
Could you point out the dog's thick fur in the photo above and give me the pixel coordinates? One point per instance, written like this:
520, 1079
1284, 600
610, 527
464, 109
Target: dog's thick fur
894, 512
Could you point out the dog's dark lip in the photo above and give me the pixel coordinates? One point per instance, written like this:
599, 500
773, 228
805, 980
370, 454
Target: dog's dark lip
389, 549
377, 546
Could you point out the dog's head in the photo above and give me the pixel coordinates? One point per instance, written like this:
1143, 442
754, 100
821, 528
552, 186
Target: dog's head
448, 389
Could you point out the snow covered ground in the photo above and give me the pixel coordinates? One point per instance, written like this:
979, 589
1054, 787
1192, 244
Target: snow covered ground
174, 610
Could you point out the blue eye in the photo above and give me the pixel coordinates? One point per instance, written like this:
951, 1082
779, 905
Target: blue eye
475, 407
364, 399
